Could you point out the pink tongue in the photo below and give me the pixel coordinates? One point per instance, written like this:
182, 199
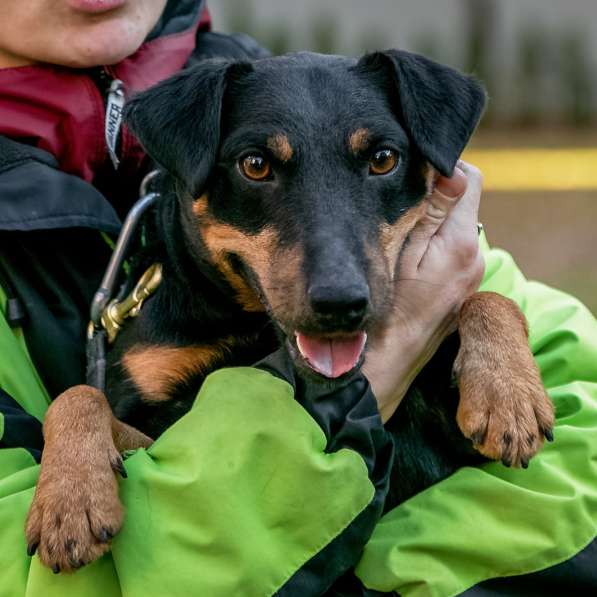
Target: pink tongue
331, 357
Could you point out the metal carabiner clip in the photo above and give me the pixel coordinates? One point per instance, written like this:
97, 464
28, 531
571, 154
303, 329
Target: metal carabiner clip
106, 290
98, 331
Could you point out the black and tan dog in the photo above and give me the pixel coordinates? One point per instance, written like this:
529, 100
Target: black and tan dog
292, 185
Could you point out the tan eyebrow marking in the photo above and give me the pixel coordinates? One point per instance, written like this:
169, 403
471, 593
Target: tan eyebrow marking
359, 140
280, 147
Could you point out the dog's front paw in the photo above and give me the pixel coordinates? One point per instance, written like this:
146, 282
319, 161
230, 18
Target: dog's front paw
504, 411
503, 407
76, 510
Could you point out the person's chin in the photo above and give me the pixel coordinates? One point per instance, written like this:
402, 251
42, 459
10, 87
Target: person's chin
107, 44
104, 39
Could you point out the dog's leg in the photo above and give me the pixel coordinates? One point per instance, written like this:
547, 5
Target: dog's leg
503, 406
76, 510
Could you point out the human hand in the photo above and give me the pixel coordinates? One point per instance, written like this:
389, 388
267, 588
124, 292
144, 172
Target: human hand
440, 267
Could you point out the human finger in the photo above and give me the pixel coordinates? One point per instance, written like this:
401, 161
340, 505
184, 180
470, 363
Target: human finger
445, 196
456, 244
465, 214
438, 205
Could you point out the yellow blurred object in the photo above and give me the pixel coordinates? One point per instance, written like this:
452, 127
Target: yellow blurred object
532, 169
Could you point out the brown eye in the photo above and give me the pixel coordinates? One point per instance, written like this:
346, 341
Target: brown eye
383, 161
255, 167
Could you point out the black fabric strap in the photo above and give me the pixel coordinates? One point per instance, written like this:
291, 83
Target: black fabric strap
21, 430
96, 360
15, 312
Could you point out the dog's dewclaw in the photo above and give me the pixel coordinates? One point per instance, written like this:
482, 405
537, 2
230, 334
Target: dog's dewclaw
118, 467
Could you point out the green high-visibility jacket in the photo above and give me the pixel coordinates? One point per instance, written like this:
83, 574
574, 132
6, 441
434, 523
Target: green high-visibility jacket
236, 496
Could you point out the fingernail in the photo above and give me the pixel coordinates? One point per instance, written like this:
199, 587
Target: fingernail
452, 187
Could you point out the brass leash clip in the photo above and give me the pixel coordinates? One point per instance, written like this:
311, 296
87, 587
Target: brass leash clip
116, 312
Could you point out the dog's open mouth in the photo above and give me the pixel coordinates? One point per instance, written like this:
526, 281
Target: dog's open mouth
331, 356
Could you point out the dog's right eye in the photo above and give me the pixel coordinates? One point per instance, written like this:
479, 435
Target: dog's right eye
255, 167
383, 162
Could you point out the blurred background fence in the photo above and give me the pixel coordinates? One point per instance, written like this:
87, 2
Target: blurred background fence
537, 144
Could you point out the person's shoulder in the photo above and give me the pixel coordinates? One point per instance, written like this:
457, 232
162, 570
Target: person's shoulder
36, 195
14, 154
235, 46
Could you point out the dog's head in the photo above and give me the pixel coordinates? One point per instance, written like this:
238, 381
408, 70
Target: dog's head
300, 177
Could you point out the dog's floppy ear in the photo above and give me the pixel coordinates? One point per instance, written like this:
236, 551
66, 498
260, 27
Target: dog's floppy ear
440, 107
178, 120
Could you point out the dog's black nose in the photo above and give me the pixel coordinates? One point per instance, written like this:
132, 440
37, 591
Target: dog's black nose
343, 307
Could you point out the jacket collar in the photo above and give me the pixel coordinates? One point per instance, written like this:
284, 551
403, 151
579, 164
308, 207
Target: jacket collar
62, 110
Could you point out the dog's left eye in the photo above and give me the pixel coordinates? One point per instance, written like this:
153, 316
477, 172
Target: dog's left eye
383, 161
255, 167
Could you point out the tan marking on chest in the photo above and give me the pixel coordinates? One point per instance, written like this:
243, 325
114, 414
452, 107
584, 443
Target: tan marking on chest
157, 370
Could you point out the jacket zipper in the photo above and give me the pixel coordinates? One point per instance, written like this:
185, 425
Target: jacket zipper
113, 92
114, 107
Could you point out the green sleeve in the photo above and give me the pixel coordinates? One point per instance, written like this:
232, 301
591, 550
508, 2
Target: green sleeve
492, 521
18, 377
222, 504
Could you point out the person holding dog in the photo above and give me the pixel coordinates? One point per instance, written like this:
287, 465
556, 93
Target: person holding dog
66, 181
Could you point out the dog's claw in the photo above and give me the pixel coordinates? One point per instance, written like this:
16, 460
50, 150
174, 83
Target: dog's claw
513, 429
55, 568
32, 548
105, 535
548, 433
118, 466
478, 437
78, 564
